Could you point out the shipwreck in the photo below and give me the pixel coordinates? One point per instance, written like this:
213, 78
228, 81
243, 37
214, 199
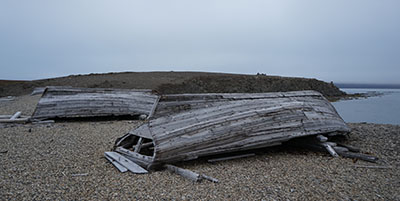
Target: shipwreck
182, 127
188, 126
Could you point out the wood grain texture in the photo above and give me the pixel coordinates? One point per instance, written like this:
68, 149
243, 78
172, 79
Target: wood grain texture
68, 102
188, 126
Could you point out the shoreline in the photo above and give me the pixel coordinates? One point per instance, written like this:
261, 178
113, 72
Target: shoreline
65, 161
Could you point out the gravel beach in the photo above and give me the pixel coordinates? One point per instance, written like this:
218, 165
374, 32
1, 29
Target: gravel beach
64, 161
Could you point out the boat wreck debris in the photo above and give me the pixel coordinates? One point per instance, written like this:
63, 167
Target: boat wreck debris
6, 99
188, 126
69, 102
181, 127
334, 149
15, 118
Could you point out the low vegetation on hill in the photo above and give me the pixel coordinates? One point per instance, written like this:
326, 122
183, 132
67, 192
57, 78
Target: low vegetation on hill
178, 82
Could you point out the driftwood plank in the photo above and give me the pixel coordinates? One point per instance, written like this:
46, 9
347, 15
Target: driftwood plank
212, 179
16, 115
19, 120
8, 98
120, 167
230, 158
364, 157
184, 173
128, 164
349, 147
9, 116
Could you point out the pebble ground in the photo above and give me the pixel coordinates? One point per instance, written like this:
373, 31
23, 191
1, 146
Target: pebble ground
64, 161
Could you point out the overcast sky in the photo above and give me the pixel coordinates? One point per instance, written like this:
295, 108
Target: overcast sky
341, 41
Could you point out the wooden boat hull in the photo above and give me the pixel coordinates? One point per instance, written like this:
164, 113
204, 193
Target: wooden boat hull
70, 102
188, 126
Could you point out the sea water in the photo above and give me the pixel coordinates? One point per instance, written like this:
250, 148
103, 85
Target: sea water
381, 109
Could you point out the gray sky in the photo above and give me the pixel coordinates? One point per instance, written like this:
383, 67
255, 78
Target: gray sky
341, 41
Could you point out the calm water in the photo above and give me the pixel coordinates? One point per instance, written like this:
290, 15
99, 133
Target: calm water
383, 109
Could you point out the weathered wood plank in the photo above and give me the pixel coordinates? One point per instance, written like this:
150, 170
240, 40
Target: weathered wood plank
138, 145
9, 116
19, 120
230, 158
128, 164
184, 173
16, 115
8, 98
364, 157
120, 167
38, 90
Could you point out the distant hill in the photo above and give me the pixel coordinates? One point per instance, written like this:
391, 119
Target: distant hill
178, 82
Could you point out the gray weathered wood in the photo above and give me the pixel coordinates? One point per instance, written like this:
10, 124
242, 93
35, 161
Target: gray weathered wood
38, 90
128, 164
230, 157
16, 115
9, 116
188, 126
339, 148
184, 173
68, 102
364, 157
340, 151
8, 98
212, 179
349, 147
330, 149
153, 108
321, 138
19, 120
120, 167
138, 145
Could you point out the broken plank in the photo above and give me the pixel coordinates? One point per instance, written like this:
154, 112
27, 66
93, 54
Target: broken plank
138, 145
330, 149
7, 116
8, 98
349, 147
120, 167
184, 172
128, 164
16, 115
339, 148
212, 179
358, 156
230, 157
20, 120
